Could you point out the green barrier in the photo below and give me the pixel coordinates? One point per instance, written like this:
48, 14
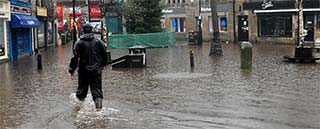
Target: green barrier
162, 39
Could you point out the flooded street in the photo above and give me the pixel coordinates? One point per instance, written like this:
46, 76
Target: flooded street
217, 94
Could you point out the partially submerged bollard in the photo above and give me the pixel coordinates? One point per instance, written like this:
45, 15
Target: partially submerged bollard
39, 62
246, 55
191, 59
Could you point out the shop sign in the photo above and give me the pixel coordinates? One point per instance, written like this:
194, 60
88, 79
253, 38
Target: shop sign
42, 11
59, 11
267, 4
173, 10
20, 10
95, 11
167, 11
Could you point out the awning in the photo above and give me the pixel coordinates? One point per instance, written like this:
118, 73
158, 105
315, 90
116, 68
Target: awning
287, 10
25, 21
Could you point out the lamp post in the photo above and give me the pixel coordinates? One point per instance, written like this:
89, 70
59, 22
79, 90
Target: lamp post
199, 25
74, 23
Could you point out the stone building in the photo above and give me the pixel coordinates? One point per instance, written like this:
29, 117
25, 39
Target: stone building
271, 21
275, 21
180, 16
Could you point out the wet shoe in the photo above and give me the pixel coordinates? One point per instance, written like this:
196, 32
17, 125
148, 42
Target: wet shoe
98, 102
80, 99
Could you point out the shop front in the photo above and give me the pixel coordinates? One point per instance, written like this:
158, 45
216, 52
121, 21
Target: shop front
4, 16
276, 21
45, 31
20, 29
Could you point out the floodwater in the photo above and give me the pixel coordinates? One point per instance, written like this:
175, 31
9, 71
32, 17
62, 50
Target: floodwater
216, 94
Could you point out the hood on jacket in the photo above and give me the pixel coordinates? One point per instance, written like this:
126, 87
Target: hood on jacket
87, 37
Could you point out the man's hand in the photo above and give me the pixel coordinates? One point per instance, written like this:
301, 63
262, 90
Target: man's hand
72, 76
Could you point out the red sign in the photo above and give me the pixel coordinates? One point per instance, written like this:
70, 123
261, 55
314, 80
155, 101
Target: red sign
60, 11
95, 11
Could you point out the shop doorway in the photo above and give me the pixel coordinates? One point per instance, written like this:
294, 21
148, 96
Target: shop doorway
309, 25
243, 28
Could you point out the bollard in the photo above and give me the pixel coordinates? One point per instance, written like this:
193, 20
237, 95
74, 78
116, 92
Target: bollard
191, 59
246, 55
108, 57
39, 61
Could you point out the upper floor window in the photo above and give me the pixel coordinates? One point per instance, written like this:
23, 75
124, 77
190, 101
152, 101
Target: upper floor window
176, 1
1, 6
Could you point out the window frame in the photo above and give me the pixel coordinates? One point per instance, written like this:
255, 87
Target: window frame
276, 19
178, 22
210, 26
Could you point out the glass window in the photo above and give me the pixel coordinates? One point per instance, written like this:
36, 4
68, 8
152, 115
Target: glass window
50, 34
223, 26
275, 26
41, 36
1, 5
223, 23
178, 24
2, 42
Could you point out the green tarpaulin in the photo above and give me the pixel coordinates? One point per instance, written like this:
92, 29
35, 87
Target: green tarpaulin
162, 39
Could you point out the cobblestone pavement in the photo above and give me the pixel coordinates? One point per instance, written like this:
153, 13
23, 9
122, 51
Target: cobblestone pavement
166, 95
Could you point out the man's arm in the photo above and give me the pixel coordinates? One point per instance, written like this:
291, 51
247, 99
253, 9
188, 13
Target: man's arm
74, 59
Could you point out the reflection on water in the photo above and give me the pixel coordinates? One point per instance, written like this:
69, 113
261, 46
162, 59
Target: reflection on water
272, 95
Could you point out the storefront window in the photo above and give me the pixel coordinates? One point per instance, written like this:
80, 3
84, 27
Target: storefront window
275, 26
50, 34
2, 45
178, 24
222, 24
41, 37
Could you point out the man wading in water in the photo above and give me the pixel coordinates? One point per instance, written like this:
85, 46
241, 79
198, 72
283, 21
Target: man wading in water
89, 54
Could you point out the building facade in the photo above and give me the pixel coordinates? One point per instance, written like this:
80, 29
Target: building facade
277, 21
45, 34
272, 21
4, 18
180, 16
20, 28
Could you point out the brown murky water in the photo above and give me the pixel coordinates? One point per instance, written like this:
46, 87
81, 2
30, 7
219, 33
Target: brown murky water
166, 95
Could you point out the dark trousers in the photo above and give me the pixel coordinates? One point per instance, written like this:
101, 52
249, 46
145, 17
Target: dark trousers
84, 81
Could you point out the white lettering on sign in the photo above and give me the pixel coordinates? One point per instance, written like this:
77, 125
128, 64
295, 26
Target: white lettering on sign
31, 22
95, 10
167, 11
20, 10
205, 9
267, 4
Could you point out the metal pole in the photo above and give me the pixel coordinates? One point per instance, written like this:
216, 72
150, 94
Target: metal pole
234, 20
199, 19
74, 23
200, 7
89, 8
